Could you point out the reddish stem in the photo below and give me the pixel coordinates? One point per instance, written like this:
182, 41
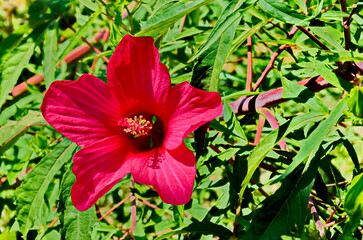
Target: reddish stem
147, 203
273, 122
273, 59
313, 211
114, 207
343, 5
260, 125
249, 65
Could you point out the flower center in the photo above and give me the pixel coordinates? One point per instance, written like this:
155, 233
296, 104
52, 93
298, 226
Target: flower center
137, 126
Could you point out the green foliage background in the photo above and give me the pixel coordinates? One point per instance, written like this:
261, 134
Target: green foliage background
247, 186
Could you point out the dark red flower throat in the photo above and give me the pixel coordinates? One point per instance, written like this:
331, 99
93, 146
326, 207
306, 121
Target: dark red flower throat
144, 130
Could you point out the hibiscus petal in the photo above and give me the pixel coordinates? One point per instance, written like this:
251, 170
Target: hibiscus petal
136, 74
189, 108
172, 173
98, 168
84, 111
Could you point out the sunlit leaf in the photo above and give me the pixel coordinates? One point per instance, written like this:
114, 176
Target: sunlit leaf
30, 195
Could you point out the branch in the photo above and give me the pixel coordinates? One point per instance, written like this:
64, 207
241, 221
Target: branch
273, 59
249, 104
71, 57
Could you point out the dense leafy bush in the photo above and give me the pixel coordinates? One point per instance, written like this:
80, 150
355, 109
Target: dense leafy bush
297, 64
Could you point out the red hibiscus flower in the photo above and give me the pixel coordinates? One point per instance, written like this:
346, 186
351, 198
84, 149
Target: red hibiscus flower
133, 124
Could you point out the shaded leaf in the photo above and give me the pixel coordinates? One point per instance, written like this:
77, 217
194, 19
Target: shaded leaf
205, 227
264, 147
332, 78
314, 141
302, 94
214, 52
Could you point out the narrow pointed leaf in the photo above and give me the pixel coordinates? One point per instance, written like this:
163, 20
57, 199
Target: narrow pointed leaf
50, 56
78, 36
162, 20
283, 12
13, 67
76, 225
13, 130
316, 138
30, 195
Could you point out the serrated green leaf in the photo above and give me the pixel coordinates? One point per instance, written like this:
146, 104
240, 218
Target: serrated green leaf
241, 38
283, 12
302, 94
161, 21
354, 199
313, 142
50, 56
76, 225
30, 194
218, 31
9, 44
13, 67
209, 67
330, 35
13, 130
332, 78
353, 204
78, 36
261, 150
287, 207
10, 111
89, 4
205, 227
233, 123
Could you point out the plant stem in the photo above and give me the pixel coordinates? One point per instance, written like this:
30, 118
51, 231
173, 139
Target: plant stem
273, 59
343, 6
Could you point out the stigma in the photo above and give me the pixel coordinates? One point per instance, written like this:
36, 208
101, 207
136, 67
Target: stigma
137, 126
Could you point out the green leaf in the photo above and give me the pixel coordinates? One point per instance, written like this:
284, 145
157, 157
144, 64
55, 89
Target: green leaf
78, 36
302, 94
89, 4
11, 111
50, 55
264, 147
161, 21
230, 23
233, 124
13, 130
332, 78
354, 199
13, 67
283, 12
9, 44
30, 194
76, 225
287, 207
353, 204
8, 236
314, 141
355, 101
241, 38
330, 35
211, 64
204, 227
